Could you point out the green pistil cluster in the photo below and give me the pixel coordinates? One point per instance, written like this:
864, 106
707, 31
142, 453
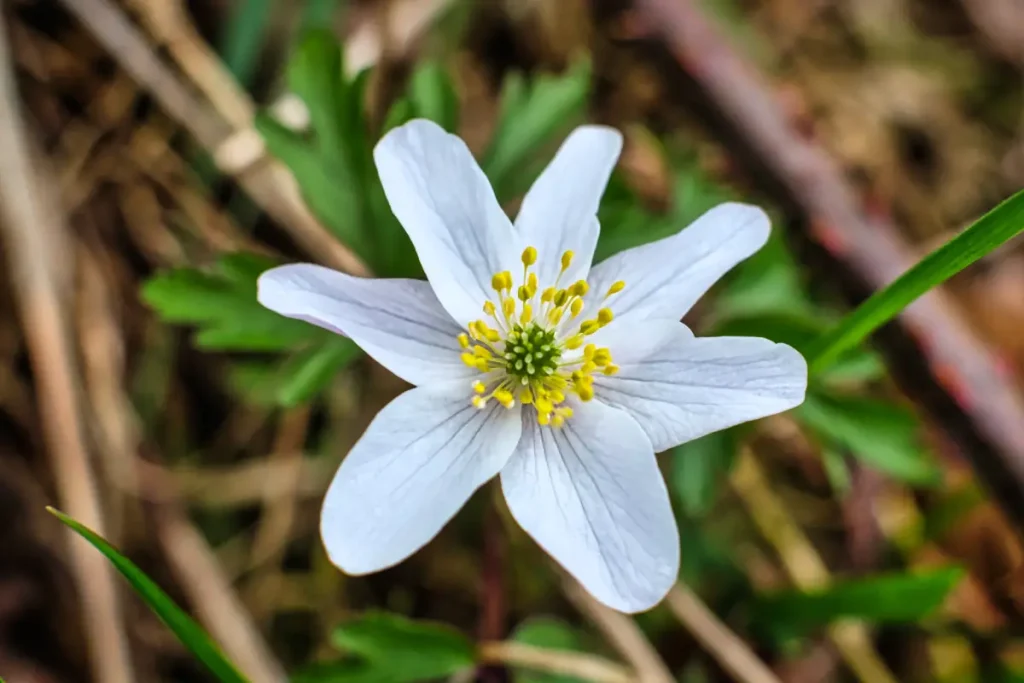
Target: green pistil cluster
531, 352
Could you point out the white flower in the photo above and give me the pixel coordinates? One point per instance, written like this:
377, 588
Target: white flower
529, 363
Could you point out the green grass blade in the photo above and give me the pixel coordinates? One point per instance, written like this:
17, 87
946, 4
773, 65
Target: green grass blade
243, 37
992, 230
188, 631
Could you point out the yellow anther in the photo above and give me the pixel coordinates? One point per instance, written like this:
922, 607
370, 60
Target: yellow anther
527, 314
489, 308
590, 326
547, 295
586, 392
463, 340
616, 287
543, 404
576, 307
566, 260
605, 316
524, 293
555, 315
481, 352
574, 342
543, 419
531, 283
557, 421
561, 296
483, 364
493, 335
508, 307
498, 282
602, 358
588, 367
589, 350
565, 412
469, 359
479, 401
529, 256
557, 396
611, 369
479, 387
579, 288
504, 397
526, 396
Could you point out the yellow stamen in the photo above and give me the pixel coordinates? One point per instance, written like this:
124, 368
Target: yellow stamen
561, 296
566, 260
479, 387
616, 287
529, 256
579, 288
463, 340
527, 314
489, 308
590, 327
576, 307
479, 402
605, 316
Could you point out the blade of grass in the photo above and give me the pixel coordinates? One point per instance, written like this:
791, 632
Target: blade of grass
184, 627
992, 230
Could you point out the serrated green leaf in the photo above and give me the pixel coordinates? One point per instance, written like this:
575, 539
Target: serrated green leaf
988, 233
433, 95
531, 115
551, 633
879, 599
698, 469
309, 373
882, 435
406, 650
184, 627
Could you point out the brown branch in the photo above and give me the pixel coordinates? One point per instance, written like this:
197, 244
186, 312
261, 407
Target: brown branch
36, 248
622, 633
585, 666
731, 653
933, 356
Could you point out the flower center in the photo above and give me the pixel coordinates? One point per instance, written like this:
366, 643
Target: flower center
531, 348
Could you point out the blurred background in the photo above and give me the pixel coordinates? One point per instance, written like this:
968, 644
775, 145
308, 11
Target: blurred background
157, 155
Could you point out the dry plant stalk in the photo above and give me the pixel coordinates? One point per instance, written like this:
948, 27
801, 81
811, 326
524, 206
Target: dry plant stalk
585, 666
802, 563
36, 248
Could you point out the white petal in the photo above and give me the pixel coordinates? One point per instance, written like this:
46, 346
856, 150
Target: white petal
444, 201
591, 495
665, 278
694, 386
398, 322
559, 213
420, 459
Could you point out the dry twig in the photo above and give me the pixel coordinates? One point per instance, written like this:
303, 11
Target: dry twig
622, 633
802, 563
36, 249
962, 386
585, 666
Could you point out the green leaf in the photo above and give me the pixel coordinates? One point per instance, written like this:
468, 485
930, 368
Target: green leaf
989, 232
326, 184
405, 650
243, 37
433, 95
184, 627
316, 74
401, 111
318, 13
307, 374
548, 633
882, 435
532, 114
222, 303
879, 599
698, 468
836, 470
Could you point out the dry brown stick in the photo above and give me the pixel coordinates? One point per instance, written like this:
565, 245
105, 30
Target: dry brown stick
728, 649
622, 633
215, 601
802, 563
962, 385
266, 181
36, 249
586, 666
1002, 24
